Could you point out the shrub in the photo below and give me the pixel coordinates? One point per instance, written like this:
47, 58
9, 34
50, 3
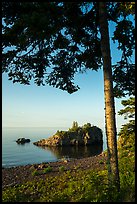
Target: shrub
101, 162
48, 169
35, 173
61, 168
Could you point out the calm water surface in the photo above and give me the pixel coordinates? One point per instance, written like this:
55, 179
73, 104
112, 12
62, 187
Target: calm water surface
14, 154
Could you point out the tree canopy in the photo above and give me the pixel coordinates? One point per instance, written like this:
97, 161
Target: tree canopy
50, 42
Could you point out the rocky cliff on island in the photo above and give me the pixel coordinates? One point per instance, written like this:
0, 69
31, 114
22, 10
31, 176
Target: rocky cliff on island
85, 135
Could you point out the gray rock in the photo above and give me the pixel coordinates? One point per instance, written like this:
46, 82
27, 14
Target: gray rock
22, 140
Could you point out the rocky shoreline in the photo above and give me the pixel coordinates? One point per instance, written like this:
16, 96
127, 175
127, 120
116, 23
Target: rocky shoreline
20, 174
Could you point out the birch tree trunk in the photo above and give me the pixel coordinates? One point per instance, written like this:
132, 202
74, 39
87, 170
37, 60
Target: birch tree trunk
113, 171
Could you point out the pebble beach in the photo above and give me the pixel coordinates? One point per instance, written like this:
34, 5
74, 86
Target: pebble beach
20, 174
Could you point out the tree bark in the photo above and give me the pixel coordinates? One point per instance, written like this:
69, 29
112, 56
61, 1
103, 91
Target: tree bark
113, 171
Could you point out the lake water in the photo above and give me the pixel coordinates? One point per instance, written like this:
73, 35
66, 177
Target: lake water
14, 154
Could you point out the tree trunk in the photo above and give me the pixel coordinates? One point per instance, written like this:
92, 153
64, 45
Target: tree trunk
113, 171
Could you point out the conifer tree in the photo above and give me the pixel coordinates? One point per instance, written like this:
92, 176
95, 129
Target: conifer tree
51, 41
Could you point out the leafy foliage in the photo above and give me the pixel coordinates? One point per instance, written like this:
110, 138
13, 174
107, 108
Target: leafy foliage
61, 168
124, 78
65, 41
75, 186
44, 171
48, 169
84, 185
126, 150
51, 41
127, 132
74, 127
124, 70
87, 126
129, 110
79, 131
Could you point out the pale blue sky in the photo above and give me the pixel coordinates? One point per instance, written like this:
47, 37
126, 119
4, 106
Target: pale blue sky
31, 106
45, 106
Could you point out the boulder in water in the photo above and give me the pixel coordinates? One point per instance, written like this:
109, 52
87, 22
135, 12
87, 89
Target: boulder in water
22, 140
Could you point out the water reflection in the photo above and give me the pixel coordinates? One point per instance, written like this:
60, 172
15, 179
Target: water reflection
75, 151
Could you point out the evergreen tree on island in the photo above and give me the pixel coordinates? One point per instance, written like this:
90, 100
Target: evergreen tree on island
51, 41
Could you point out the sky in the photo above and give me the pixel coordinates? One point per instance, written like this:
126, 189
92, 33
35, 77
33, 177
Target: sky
45, 106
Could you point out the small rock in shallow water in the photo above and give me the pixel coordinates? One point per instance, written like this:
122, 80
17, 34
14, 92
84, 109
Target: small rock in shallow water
22, 140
